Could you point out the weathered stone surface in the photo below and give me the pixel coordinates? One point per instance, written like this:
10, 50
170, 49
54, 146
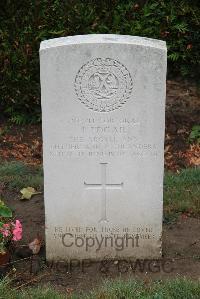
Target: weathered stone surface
103, 104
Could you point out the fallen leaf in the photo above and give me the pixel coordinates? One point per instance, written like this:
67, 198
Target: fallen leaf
167, 148
35, 245
181, 131
69, 290
28, 192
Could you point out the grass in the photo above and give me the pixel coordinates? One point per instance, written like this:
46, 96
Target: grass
178, 288
174, 289
17, 175
181, 191
7, 292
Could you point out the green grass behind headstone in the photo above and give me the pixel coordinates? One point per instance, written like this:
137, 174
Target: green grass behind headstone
182, 193
17, 175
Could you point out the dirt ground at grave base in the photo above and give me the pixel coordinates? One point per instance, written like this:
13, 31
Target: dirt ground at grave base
181, 255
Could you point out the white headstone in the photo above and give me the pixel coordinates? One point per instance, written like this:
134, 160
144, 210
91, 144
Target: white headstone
103, 105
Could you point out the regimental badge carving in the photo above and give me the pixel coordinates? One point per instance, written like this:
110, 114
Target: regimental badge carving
103, 84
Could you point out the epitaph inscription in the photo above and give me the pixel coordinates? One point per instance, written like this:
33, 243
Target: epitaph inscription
103, 84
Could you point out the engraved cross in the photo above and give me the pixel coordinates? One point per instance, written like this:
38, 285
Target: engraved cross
103, 186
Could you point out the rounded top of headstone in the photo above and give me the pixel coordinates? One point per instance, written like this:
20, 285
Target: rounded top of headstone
103, 38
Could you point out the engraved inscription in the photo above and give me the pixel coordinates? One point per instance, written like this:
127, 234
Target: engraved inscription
103, 84
104, 137
144, 233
